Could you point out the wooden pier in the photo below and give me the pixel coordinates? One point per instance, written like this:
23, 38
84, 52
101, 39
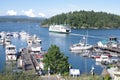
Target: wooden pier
28, 65
114, 51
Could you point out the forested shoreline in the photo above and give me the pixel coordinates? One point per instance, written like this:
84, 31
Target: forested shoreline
20, 19
85, 19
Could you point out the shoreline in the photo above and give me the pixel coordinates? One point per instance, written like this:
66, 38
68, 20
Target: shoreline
94, 28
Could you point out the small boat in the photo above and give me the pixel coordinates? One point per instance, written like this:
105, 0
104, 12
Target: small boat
7, 41
82, 45
37, 59
15, 34
23, 35
9, 35
60, 28
33, 40
1, 41
111, 42
2, 37
102, 58
10, 52
2, 34
116, 74
35, 49
36, 39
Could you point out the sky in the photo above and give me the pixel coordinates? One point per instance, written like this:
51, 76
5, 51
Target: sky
49, 8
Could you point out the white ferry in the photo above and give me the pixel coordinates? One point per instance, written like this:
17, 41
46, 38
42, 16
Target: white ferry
60, 28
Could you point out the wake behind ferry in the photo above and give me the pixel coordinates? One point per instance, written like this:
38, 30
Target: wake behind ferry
60, 28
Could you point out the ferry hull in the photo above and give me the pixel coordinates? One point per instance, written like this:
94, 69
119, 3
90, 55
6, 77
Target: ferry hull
60, 29
60, 32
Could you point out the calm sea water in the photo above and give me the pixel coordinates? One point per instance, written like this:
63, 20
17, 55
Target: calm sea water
64, 41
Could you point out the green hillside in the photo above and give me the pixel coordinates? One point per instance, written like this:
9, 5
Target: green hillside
20, 19
85, 19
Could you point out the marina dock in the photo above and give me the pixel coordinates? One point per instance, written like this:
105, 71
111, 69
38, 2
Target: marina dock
28, 65
113, 51
32, 55
28, 59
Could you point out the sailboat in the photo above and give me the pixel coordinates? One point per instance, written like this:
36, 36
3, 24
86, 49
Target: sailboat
82, 45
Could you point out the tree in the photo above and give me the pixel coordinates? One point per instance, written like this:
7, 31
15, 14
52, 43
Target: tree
86, 19
56, 61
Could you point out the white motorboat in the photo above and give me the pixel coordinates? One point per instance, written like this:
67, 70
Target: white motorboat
10, 52
1, 41
7, 41
15, 34
116, 74
60, 28
36, 39
2, 37
111, 42
2, 34
23, 35
82, 45
35, 48
33, 40
102, 58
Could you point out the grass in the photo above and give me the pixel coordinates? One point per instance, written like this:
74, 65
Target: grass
83, 77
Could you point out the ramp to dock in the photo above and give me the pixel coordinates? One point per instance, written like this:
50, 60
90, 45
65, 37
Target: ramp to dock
28, 64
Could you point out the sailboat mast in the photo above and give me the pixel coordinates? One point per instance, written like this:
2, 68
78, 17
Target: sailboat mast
86, 37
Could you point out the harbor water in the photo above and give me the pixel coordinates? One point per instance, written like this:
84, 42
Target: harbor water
64, 41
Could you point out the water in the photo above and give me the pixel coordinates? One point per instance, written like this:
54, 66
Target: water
64, 41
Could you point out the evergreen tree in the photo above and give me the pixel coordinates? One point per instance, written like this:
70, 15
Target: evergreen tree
86, 19
56, 61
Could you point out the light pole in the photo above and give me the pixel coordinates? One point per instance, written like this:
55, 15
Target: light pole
48, 70
69, 68
92, 70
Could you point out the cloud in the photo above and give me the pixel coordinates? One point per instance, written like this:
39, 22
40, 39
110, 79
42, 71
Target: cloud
74, 7
42, 15
29, 13
11, 12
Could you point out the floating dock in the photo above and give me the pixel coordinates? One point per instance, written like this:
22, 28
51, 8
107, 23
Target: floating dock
28, 65
113, 51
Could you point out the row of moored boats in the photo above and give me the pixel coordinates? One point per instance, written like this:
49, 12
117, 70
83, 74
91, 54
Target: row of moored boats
34, 48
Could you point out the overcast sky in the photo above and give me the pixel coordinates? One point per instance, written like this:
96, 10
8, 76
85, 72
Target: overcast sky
48, 8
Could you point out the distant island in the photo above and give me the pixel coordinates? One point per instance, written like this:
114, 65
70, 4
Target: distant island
20, 18
85, 19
